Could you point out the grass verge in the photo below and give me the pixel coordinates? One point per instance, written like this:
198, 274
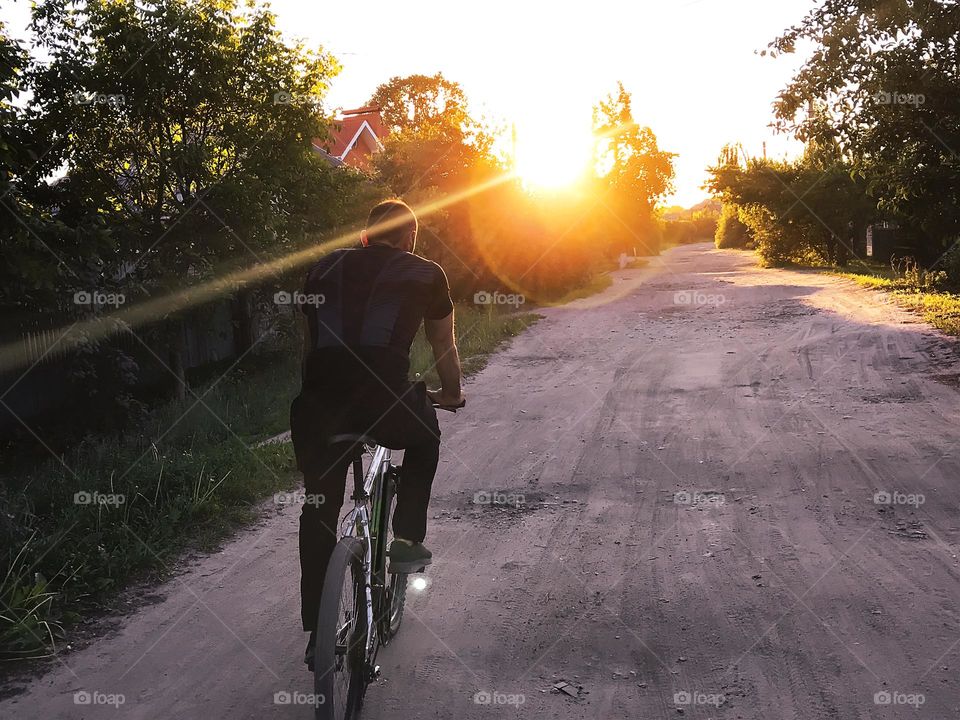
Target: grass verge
480, 330
939, 308
78, 528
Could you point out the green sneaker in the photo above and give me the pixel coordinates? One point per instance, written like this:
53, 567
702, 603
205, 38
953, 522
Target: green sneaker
406, 558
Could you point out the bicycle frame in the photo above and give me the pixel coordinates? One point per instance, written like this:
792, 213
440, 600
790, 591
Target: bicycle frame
356, 523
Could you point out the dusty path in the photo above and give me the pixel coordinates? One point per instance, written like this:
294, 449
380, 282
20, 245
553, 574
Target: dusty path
697, 516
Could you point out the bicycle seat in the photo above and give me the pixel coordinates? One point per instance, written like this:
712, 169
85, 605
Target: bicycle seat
352, 438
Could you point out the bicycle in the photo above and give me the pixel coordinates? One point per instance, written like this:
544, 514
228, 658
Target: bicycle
360, 607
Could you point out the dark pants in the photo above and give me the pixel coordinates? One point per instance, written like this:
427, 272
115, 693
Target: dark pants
402, 420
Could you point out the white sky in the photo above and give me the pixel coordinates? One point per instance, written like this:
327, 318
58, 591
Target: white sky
690, 64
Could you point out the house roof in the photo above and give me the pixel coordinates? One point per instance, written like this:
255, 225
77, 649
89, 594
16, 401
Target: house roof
361, 127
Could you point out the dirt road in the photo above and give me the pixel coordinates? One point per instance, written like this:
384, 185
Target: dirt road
735, 493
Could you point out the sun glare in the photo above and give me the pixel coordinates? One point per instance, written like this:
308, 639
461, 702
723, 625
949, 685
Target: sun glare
551, 158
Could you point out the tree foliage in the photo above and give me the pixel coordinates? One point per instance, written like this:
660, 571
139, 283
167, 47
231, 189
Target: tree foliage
632, 174
883, 85
497, 232
731, 232
809, 208
178, 110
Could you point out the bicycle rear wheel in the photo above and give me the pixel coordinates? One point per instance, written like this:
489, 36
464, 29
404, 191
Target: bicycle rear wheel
394, 586
340, 655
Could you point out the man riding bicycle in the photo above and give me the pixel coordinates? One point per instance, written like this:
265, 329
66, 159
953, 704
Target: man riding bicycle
363, 307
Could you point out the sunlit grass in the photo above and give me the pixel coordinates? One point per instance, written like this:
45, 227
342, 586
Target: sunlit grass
596, 284
940, 309
481, 329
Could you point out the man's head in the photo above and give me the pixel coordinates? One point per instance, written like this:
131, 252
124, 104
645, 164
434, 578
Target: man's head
392, 223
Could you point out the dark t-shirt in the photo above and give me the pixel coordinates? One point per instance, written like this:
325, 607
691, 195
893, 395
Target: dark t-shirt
364, 307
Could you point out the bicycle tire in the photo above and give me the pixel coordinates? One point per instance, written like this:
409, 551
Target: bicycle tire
333, 665
393, 597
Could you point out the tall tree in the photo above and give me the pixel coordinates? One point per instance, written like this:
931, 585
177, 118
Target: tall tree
436, 150
883, 84
187, 126
633, 173
421, 102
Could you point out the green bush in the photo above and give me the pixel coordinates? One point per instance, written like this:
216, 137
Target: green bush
731, 232
951, 265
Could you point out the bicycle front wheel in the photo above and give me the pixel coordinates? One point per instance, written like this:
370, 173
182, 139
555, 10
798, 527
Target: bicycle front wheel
340, 655
393, 587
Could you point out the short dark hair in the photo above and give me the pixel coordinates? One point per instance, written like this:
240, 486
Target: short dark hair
390, 221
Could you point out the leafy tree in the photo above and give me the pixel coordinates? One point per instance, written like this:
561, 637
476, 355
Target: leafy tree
186, 125
731, 232
436, 151
42, 257
421, 103
800, 210
883, 85
633, 174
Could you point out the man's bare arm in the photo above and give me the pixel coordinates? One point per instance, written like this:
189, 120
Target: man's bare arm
440, 335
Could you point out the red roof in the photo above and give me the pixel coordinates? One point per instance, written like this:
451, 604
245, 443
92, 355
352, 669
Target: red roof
355, 136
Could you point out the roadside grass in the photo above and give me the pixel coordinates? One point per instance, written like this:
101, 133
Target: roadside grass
480, 330
79, 527
937, 307
597, 283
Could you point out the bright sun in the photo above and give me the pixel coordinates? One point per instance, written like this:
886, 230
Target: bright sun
551, 160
